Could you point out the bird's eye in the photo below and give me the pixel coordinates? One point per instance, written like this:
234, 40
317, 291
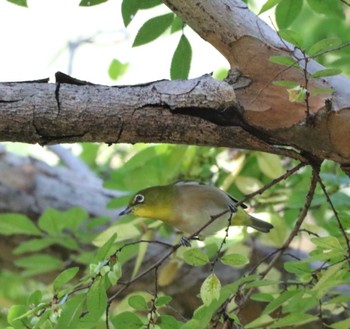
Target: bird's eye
139, 198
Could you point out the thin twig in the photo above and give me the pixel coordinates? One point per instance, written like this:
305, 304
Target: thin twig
215, 260
128, 244
345, 2
306, 85
340, 224
142, 274
272, 183
292, 234
152, 313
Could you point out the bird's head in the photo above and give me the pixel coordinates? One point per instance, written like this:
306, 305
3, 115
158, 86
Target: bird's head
152, 202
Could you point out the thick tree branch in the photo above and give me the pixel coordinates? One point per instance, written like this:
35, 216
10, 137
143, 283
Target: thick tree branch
30, 186
257, 115
247, 43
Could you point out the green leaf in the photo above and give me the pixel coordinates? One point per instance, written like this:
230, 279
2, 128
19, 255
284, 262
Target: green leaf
104, 252
292, 36
89, 3
262, 297
71, 312
15, 312
38, 263
285, 83
325, 73
96, 302
35, 298
282, 60
152, 29
155, 158
282, 298
129, 10
131, 7
195, 257
17, 224
297, 267
143, 247
327, 243
146, 4
53, 221
210, 289
168, 322
42, 323
117, 69
270, 165
138, 302
268, 5
317, 91
300, 303
177, 25
287, 11
323, 46
192, 324
73, 218
33, 245
260, 322
294, 319
221, 73
181, 61
343, 324
22, 3
234, 259
64, 277
328, 279
163, 300
127, 320
330, 8
297, 94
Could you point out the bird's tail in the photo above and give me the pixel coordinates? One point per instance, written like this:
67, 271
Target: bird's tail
260, 225
240, 217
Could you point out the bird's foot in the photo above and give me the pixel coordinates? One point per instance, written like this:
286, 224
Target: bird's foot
185, 242
233, 208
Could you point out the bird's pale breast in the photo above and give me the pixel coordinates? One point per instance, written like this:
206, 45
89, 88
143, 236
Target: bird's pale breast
195, 205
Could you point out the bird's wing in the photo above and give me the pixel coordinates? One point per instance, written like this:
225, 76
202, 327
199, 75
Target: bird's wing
187, 182
243, 205
192, 182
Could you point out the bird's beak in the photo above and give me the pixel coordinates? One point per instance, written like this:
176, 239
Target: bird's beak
126, 211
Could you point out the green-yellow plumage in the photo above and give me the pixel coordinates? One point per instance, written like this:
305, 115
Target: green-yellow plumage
189, 205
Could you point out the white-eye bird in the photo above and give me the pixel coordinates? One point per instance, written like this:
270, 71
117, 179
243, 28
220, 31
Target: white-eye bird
188, 206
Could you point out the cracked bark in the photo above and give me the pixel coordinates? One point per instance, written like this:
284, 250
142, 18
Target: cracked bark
202, 111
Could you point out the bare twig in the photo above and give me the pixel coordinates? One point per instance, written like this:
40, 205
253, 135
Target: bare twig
128, 244
215, 260
306, 85
340, 224
345, 2
152, 313
275, 181
292, 234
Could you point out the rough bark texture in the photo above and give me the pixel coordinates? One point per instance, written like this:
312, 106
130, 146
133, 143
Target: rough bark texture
163, 111
256, 115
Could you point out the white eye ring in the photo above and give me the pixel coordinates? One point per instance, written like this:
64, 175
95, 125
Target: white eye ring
139, 198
